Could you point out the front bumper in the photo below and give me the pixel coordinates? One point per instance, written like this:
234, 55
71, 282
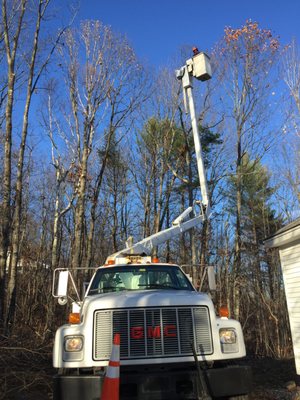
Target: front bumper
159, 384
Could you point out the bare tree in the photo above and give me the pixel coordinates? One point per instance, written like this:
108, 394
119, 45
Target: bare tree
31, 84
289, 146
11, 32
291, 71
16, 24
103, 92
245, 58
63, 174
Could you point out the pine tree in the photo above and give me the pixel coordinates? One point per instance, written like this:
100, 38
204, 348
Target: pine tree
259, 280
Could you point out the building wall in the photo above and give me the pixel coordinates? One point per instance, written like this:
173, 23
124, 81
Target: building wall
290, 262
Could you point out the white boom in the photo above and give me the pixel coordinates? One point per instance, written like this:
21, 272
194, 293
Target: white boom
179, 226
199, 67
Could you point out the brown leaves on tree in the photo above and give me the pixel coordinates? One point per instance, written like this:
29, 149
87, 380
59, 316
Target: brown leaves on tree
252, 36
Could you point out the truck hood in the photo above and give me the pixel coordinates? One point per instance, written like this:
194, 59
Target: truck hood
146, 298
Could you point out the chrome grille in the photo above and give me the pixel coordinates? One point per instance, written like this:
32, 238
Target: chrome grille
153, 332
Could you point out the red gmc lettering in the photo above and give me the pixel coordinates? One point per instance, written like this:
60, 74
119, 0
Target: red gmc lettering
154, 332
137, 332
170, 331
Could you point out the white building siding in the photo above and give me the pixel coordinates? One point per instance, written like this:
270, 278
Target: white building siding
290, 262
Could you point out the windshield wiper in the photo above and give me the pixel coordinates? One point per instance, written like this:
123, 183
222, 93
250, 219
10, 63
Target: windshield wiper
158, 286
104, 290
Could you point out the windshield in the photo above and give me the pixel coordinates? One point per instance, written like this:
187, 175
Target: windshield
134, 277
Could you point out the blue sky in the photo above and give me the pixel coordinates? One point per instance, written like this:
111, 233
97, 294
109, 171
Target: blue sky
158, 28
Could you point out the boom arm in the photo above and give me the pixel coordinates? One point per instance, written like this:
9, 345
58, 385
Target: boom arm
180, 225
199, 67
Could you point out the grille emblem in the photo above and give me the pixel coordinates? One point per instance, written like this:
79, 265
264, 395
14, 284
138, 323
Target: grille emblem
137, 332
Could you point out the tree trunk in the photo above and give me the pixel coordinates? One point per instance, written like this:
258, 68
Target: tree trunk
79, 215
11, 49
19, 182
237, 250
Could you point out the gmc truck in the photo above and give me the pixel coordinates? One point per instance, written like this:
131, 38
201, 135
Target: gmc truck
173, 344
166, 327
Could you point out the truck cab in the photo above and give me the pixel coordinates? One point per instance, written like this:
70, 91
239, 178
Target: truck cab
165, 326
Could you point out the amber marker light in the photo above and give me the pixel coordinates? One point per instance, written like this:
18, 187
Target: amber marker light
224, 312
74, 318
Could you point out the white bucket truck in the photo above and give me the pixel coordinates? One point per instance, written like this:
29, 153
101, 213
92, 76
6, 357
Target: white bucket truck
173, 345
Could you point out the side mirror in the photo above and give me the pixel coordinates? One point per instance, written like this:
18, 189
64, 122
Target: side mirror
211, 278
62, 288
61, 278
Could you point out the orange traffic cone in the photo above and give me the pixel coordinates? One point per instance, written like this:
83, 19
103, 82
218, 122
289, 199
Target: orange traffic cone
110, 389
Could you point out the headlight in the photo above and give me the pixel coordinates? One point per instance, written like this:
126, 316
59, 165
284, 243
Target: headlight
73, 343
228, 339
227, 336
